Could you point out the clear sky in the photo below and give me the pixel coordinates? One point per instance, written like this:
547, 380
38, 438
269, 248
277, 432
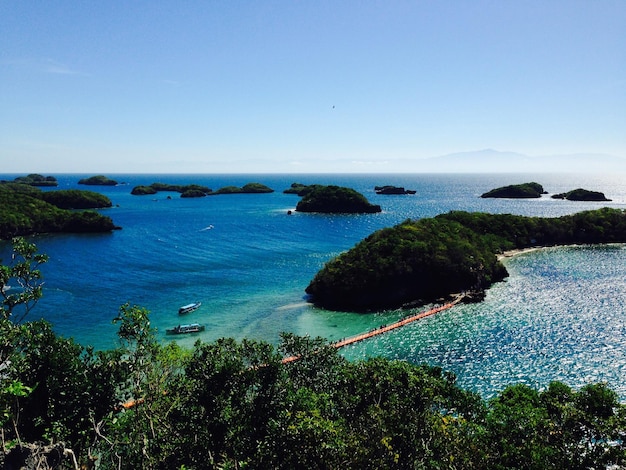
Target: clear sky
304, 86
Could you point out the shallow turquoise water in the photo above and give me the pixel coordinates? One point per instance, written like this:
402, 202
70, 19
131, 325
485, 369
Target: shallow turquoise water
559, 316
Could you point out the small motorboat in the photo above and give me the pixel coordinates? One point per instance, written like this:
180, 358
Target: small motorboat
185, 329
189, 308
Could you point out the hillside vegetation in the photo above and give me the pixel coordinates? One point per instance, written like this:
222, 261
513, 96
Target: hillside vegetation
75, 199
420, 261
25, 210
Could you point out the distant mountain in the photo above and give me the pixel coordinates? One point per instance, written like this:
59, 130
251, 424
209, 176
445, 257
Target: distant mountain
493, 161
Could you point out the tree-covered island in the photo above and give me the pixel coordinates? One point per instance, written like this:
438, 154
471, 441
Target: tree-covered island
420, 261
196, 190
189, 190
388, 189
301, 189
249, 188
581, 194
98, 180
25, 210
35, 179
516, 191
333, 200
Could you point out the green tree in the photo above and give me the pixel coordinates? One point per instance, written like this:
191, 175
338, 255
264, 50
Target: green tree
17, 301
518, 424
139, 434
23, 270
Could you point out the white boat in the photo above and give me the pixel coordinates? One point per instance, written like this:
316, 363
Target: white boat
189, 308
184, 329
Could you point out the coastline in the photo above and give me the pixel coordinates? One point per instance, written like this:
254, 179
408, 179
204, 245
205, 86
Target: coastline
520, 251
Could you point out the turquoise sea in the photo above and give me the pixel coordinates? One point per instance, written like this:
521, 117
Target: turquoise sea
560, 315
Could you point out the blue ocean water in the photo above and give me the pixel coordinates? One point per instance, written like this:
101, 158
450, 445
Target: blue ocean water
561, 314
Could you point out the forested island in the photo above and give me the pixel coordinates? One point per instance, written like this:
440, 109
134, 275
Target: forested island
332, 200
535, 190
235, 405
581, 194
189, 190
35, 179
388, 189
420, 261
195, 190
25, 210
249, 188
301, 189
99, 180
516, 191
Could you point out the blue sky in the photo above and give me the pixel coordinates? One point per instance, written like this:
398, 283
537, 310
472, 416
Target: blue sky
295, 86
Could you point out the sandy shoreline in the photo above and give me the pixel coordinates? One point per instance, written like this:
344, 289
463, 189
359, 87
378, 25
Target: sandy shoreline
519, 251
511, 253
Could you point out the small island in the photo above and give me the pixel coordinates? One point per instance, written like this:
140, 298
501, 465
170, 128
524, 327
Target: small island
190, 190
35, 179
393, 190
335, 200
516, 191
423, 261
250, 188
581, 195
29, 211
196, 190
99, 180
301, 189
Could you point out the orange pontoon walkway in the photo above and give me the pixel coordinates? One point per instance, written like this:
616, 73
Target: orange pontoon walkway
385, 328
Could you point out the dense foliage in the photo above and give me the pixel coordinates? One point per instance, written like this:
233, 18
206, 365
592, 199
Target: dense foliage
99, 180
76, 199
524, 190
419, 261
336, 200
229, 404
581, 194
23, 211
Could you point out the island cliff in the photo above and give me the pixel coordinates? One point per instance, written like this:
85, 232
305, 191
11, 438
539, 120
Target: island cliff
417, 262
